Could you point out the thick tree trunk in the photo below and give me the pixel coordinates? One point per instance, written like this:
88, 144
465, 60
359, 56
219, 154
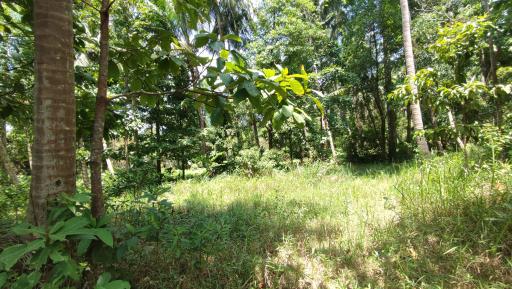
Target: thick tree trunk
53, 155
417, 119
97, 202
5, 161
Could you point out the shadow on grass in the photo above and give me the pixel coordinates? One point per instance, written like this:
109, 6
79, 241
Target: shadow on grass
202, 246
268, 242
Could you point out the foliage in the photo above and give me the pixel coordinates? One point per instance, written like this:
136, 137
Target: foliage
55, 255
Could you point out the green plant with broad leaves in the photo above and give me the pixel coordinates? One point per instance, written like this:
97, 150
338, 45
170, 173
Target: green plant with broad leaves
55, 255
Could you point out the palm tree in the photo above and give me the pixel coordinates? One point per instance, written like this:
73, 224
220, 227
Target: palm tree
417, 119
53, 153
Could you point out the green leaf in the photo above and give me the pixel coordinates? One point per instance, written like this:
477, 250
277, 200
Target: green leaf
40, 258
11, 255
217, 45
57, 256
105, 236
226, 78
287, 110
296, 86
269, 72
203, 38
78, 198
114, 69
73, 226
224, 54
3, 279
299, 119
103, 279
117, 284
26, 229
232, 37
82, 247
318, 104
251, 88
66, 269
27, 281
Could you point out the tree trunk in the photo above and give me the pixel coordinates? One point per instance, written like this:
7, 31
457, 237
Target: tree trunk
255, 130
391, 113
53, 155
378, 99
270, 131
5, 162
329, 137
435, 126
417, 119
97, 202
453, 125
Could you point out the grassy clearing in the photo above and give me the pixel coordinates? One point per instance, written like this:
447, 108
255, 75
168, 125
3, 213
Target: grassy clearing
433, 226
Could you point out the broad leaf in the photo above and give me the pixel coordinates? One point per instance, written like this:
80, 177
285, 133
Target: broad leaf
11, 255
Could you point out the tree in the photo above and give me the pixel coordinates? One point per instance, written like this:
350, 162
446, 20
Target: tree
53, 152
97, 203
417, 119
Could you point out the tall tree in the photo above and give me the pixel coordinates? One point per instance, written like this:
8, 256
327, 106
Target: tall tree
97, 205
53, 153
417, 119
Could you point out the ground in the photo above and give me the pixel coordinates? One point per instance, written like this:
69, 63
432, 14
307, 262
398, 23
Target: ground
325, 226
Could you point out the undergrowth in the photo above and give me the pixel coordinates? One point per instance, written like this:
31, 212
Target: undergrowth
431, 224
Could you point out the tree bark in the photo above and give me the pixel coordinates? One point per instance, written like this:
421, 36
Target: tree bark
53, 155
97, 202
5, 161
255, 133
417, 119
270, 131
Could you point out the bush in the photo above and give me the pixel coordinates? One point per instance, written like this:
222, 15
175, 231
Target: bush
278, 158
250, 163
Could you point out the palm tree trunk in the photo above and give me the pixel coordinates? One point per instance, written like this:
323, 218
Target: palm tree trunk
417, 119
53, 154
97, 202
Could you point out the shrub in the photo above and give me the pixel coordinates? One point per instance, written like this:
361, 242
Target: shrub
250, 163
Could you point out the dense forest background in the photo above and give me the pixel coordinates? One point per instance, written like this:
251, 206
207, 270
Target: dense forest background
151, 116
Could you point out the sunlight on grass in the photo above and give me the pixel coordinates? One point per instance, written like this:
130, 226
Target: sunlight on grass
429, 225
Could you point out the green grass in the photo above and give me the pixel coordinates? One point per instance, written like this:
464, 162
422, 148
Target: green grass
321, 226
